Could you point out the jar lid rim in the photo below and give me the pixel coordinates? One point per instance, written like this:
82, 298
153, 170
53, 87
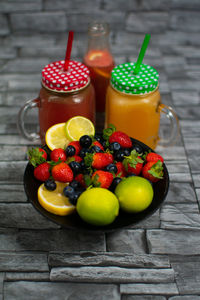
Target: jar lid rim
65, 92
55, 77
124, 79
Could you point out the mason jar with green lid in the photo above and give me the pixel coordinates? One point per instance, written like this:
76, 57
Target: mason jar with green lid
133, 105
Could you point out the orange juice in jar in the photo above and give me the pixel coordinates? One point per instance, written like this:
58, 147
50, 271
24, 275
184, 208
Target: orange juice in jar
133, 104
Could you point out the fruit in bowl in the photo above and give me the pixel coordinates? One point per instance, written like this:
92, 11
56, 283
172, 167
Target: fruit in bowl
95, 175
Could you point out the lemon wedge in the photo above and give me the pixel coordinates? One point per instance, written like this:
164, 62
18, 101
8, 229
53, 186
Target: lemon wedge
78, 126
54, 201
56, 137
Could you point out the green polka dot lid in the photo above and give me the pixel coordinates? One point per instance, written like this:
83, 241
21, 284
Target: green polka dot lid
124, 80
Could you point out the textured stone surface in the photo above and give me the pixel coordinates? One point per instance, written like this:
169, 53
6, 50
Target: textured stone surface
190, 297
4, 28
64, 240
10, 6
20, 215
180, 216
59, 290
155, 22
34, 33
154, 289
187, 275
23, 262
27, 276
111, 274
39, 22
152, 297
173, 242
127, 241
184, 190
12, 193
107, 259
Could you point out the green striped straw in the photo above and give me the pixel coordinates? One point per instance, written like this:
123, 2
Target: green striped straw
142, 53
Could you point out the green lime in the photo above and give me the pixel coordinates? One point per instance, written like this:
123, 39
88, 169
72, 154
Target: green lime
134, 194
98, 206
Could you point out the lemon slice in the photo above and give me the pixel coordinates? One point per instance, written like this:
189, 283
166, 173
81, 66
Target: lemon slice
95, 55
54, 201
56, 137
78, 126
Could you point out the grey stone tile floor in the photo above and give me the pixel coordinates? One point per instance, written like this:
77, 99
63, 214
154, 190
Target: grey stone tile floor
159, 259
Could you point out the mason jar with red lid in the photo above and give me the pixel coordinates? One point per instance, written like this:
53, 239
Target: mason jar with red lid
63, 95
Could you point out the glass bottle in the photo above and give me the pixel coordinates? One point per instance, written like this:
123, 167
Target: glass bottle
99, 60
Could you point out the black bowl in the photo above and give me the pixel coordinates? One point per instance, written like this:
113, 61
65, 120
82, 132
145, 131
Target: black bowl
73, 221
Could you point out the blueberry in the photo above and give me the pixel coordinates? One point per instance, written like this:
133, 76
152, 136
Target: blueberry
105, 144
73, 199
99, 137
85, 141
111, 168
83, 152
82, 164
84, 169
114, 146
114, 183
119, 155
75, 166
95, 149
75, 184
68, 191
50, 185
137, 148
70, 150
126, 151
130, 175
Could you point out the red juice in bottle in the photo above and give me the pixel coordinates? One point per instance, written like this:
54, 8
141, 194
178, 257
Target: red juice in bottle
100, 63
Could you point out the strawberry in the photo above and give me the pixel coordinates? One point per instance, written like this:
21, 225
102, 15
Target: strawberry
122, 138
74, 158
41, 172
102, 179
121, 172
76, 145
154, 157
110, 134
57, 154
80, 179
153, 171
133, 163
109, 157
37, 156
98, 160
77, 158
96, 143
62, 172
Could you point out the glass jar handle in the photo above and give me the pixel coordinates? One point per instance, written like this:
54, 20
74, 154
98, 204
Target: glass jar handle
20, 121
174, 125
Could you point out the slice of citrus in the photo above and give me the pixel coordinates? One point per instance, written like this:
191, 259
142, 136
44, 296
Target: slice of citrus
78, 126
54, 201
95, 55
56, 137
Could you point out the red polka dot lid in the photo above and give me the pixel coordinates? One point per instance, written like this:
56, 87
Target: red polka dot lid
55, 78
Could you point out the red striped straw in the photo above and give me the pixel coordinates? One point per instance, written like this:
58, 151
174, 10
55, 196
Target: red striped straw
68, 50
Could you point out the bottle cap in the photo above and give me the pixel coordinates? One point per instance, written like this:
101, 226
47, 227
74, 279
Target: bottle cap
124, 80
56, 79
